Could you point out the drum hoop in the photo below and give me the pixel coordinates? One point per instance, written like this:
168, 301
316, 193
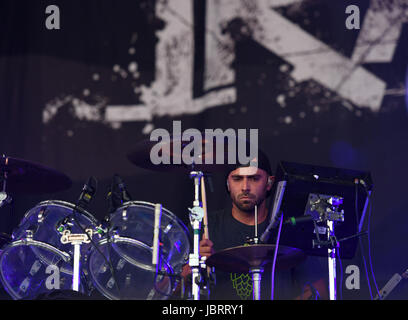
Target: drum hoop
30, 242
117, 239
149, 204
172, 215
62, 204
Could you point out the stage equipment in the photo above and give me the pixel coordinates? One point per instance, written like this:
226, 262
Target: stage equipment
130, 247
202, 165
36, 261
319, 202
253, 258
19, 176
390, 285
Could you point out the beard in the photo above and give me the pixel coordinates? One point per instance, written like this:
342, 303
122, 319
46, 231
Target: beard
248, 204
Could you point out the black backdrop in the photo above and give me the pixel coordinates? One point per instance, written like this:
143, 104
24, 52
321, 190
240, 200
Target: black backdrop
79, 98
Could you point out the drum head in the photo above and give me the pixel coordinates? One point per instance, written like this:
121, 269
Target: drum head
28, 270
36, 262
129, 249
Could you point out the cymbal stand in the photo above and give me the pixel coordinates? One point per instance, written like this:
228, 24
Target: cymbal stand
255, 272
4, 197
196, 216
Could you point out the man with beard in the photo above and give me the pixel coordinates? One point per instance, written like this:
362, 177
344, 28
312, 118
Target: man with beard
249, 186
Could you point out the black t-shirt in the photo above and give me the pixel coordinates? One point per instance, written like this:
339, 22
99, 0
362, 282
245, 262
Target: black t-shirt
227, 232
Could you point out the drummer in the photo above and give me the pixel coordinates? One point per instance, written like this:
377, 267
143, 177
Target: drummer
250, 186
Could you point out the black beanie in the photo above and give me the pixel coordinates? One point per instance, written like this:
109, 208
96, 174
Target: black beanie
261, 161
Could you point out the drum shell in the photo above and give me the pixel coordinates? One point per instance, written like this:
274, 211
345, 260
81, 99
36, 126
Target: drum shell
130, 247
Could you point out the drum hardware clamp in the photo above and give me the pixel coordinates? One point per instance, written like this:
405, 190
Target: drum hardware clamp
76, 239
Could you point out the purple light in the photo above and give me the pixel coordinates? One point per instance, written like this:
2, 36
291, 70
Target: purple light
177, 245
343, 154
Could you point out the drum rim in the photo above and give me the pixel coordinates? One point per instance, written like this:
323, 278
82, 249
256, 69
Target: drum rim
134, 242
105, 241
63, 204
137, 202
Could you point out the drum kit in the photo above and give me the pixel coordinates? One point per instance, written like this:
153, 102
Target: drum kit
138, 252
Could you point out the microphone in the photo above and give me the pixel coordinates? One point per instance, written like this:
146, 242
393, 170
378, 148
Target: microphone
272, 225
117, 194
125, 196
295, 220
88, 192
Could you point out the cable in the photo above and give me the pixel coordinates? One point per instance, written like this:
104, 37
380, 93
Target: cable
274, 259
360, 241
369, 242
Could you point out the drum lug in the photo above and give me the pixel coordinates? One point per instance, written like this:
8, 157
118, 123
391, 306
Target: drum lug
124, 215
29, 234
41, 216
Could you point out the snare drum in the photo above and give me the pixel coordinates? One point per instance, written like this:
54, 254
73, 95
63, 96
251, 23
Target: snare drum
128, 247
36, 262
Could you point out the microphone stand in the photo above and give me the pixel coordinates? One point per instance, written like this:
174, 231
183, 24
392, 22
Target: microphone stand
332, 261
326, 207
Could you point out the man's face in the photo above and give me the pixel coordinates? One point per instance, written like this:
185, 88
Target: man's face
248, 187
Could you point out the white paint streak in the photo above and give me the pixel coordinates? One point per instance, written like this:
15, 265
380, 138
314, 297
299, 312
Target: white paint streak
312, 60
379, 35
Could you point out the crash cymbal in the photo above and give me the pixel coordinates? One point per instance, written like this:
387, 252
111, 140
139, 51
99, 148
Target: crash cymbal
25, 177
240, 259
172, 150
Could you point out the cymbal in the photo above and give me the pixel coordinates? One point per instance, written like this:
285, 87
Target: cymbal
172, 150
240, 259
25, 177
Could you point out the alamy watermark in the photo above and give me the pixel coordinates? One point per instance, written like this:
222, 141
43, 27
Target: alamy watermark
353, 20
352, 281
53, 280
52, 22
189, 146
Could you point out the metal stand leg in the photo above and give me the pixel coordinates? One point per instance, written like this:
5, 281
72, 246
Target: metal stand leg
76, 240
77, 267
332, 265
196, 216
4, 197
256, 274
195, 262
